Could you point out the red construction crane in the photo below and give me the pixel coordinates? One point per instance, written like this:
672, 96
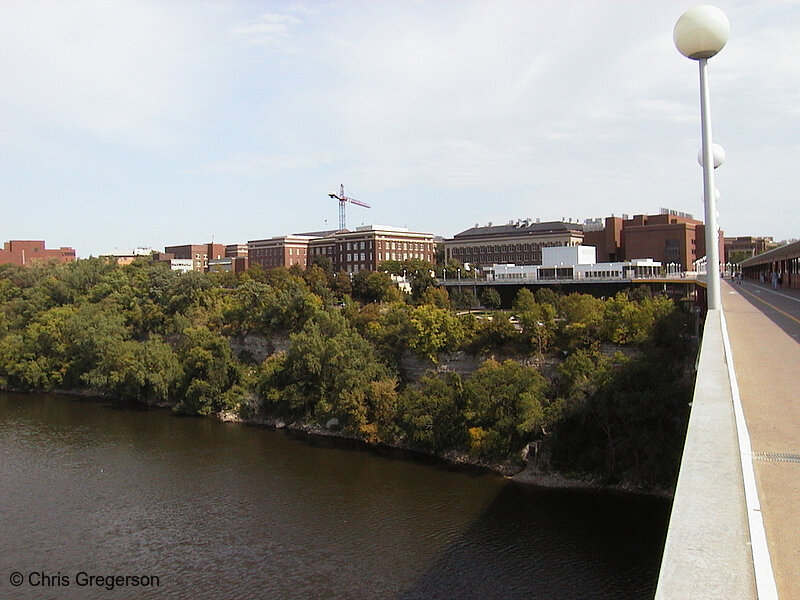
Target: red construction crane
342, 200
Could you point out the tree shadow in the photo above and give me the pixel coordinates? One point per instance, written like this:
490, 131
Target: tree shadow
575, 544
757, 295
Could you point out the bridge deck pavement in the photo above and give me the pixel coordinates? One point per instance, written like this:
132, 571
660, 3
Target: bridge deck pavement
764, 330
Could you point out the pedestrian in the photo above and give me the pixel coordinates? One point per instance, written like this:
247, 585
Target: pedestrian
774, 280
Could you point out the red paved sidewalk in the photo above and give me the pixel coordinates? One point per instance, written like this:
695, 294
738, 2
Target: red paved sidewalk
764, 331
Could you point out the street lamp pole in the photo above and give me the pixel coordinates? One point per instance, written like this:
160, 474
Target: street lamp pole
700, 33
712, 230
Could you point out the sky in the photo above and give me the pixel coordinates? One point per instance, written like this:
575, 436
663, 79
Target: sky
151, 123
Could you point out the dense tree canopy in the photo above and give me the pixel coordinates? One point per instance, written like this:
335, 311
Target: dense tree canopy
147, 334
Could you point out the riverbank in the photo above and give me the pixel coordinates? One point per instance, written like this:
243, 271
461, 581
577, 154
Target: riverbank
526, 473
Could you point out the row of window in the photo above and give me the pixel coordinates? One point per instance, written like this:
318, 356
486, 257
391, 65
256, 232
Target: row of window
388, 245
497, 248
277, 251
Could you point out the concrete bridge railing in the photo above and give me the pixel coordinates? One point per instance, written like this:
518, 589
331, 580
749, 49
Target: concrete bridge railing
708, 552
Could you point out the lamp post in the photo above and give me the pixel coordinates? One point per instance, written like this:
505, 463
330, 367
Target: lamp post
700, 33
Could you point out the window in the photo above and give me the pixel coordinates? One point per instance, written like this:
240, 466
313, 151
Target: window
672, 249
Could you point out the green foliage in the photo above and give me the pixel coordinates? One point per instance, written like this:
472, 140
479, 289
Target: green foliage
504, 406
631, 323
433, 330
495, 333
432, 415
328, 373
523, 301
546, 295
145, 333
371, 286
209, 371
631, 428
538, 326
582, 322
267, 308
490, 298
436, 296
464, 298
146, 371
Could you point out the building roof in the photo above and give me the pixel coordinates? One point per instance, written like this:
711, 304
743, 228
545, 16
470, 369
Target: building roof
790, 250
321, 234
519, 228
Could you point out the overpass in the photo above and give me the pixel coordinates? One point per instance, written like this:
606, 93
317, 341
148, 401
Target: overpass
676, 286
734, 531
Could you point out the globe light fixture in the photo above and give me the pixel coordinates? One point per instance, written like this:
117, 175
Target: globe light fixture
717, 151
700, 33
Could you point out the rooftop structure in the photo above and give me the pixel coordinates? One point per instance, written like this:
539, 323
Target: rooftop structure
27, 252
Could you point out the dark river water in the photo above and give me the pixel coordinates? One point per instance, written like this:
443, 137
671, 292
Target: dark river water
195, 508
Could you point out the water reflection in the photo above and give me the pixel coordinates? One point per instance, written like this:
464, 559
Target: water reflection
224, 510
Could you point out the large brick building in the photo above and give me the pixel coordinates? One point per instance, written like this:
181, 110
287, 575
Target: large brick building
282, 251
199, 254
519, 242
368, 246
351, 251
27, 252
747, 246
668, 237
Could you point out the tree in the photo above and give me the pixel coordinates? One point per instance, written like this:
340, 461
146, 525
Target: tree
209, 371
371, 286
436, 296
490, 298
539, 326
431, 415
433, 330
323, 262
464, 299
582, 321
504, 406
328, 371
341, 284
523, 301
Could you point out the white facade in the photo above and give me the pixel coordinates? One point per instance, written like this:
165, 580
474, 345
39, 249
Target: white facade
576, 263
559, 256
184, 265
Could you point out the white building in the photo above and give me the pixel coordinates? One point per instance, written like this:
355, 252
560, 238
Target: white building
573, 263
183, 265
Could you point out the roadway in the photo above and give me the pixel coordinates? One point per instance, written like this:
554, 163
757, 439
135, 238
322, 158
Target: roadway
764, 330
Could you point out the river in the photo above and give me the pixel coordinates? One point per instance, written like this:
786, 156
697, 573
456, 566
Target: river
195, 508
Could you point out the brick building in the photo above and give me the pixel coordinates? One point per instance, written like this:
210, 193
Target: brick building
606, 236
27, 252
368, 246
199, 254
351, 251
282, 251
668, 237
747, 246
519, 242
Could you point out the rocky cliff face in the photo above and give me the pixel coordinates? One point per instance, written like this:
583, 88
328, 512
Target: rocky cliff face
258, 347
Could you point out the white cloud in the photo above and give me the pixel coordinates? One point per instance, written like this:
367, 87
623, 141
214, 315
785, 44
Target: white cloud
498, 108
120, 71
260, 166
269, 29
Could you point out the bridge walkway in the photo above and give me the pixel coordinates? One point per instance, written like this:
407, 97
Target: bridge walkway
764, 330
